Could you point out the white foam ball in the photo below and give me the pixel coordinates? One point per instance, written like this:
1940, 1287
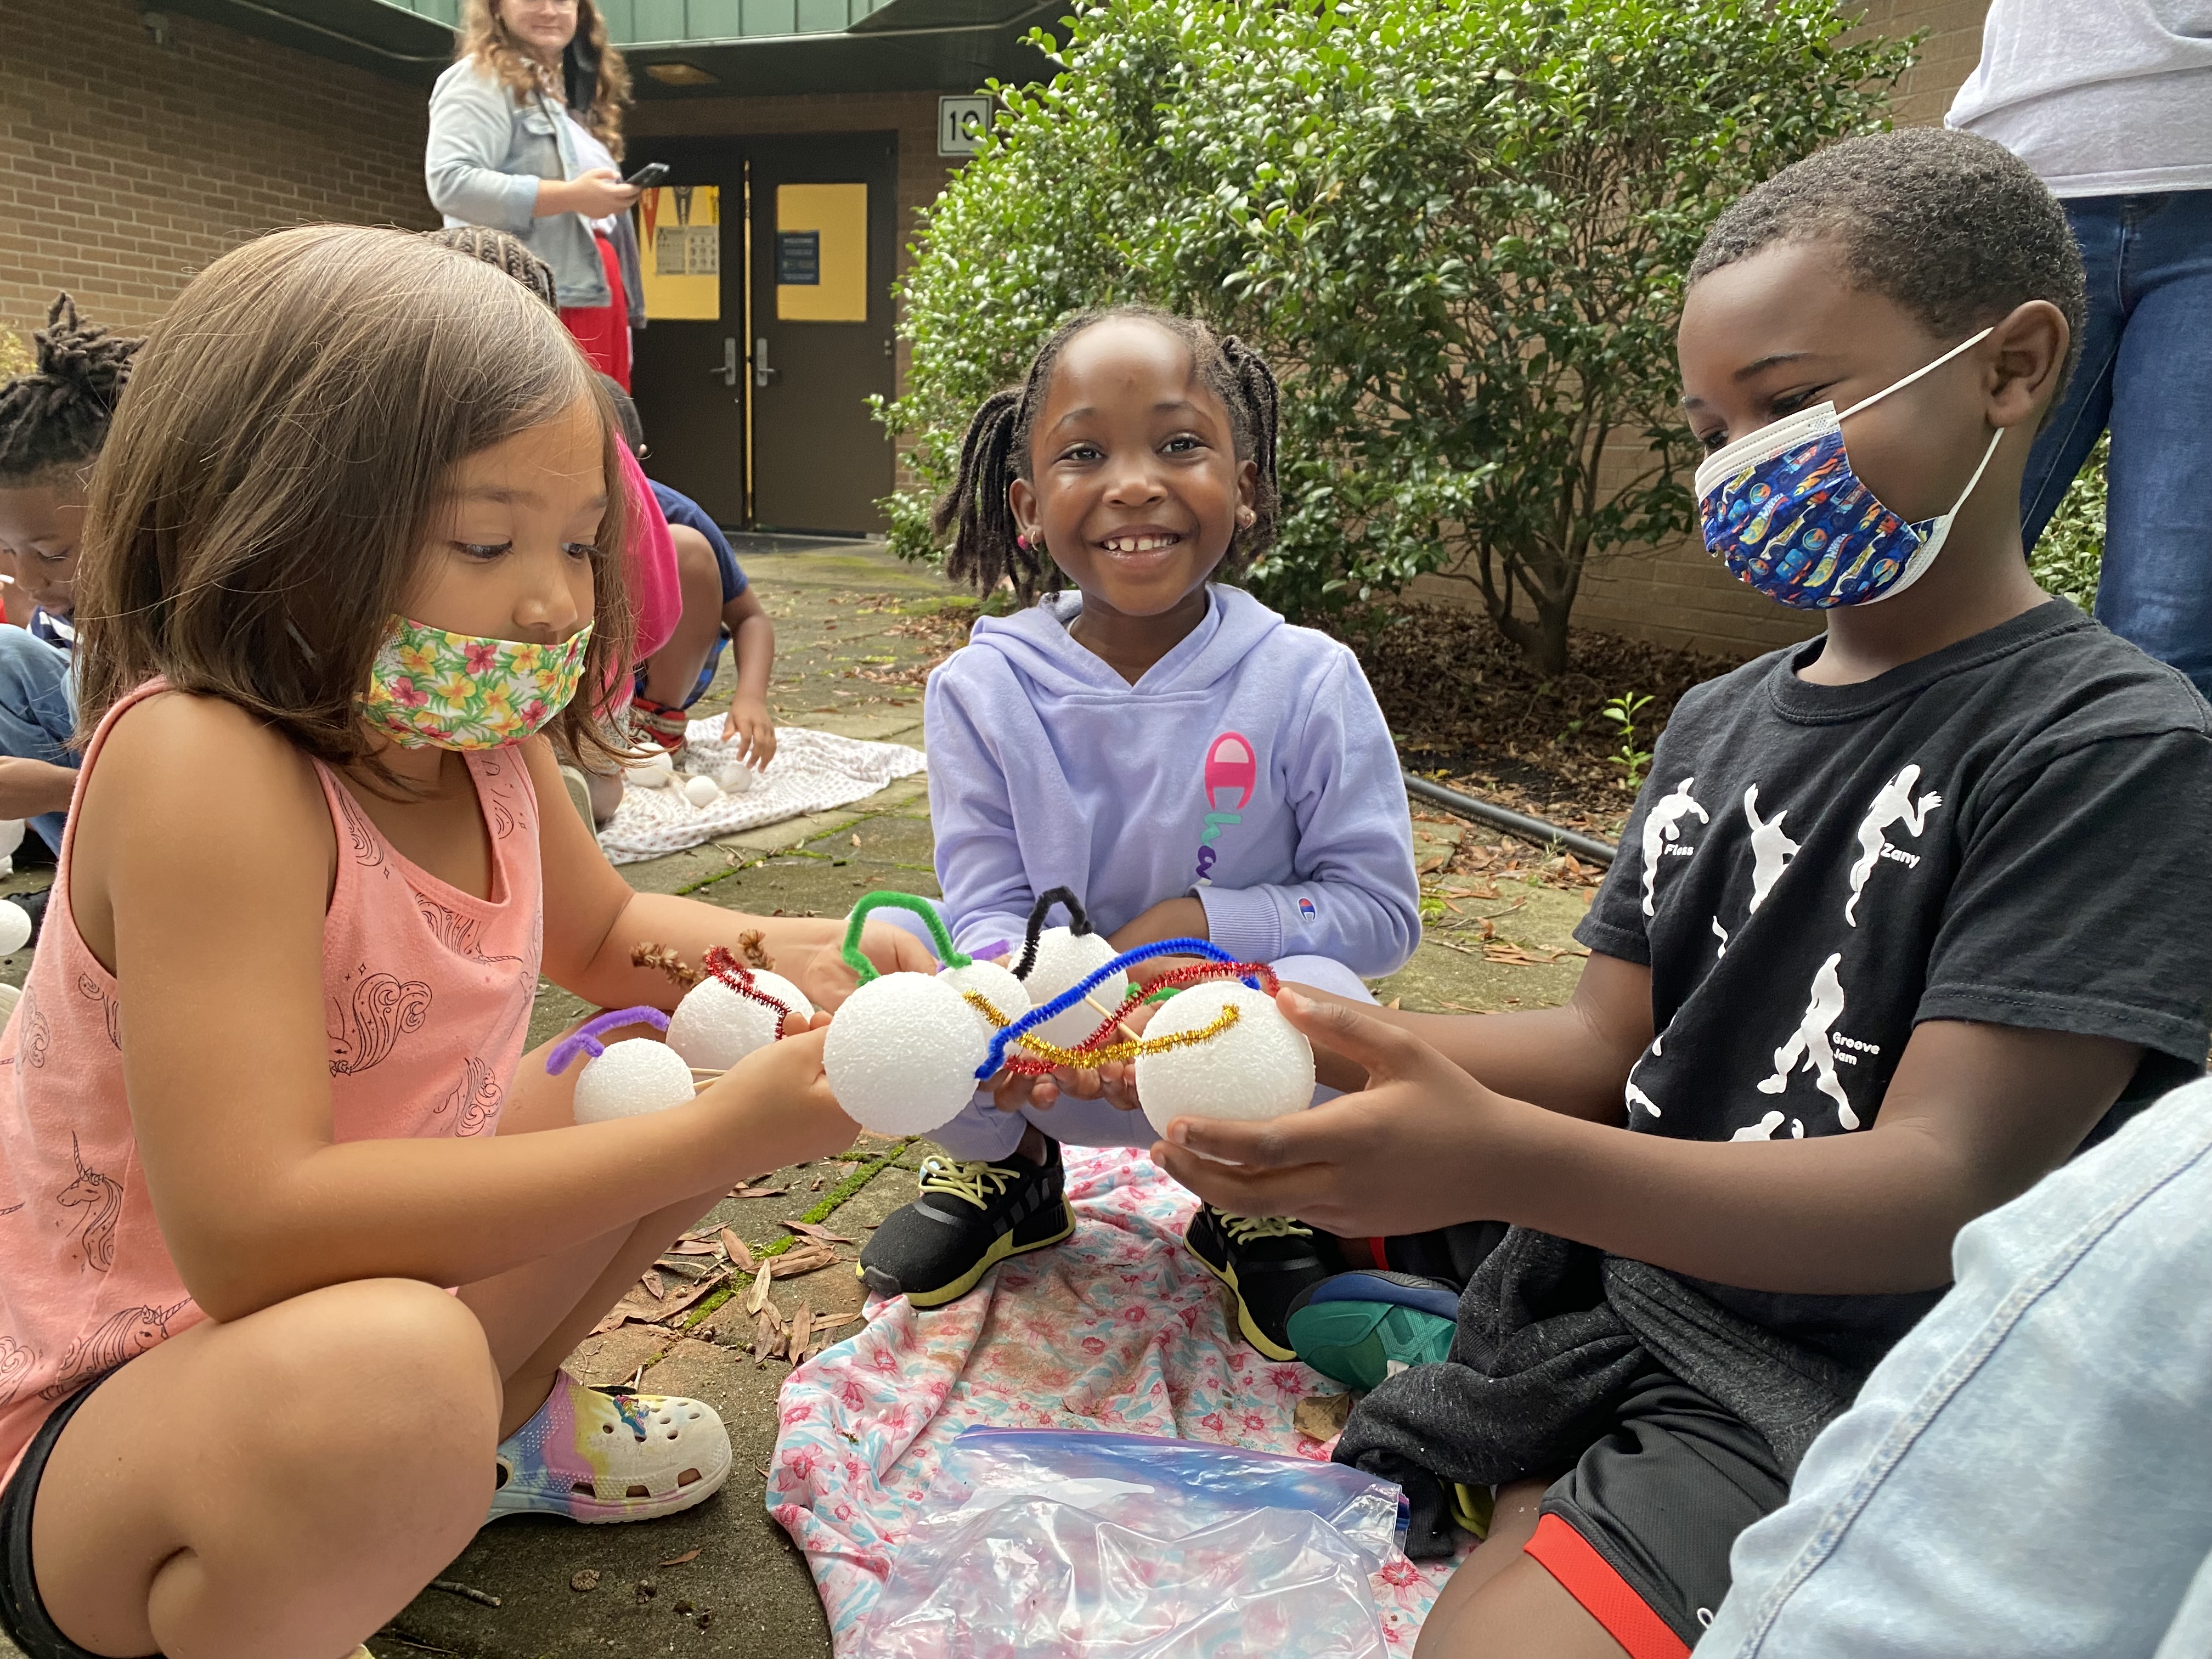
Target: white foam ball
995, 985
1064, 961
1260, 1067
702, 790
901, 1054
714, 1028
737, 778
633, 1076
14, 927
656, 771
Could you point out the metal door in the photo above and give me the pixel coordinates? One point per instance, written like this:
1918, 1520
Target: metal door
824, 233
688, 375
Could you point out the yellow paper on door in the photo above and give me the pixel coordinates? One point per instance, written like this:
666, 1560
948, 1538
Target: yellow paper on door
679, 236
821, 254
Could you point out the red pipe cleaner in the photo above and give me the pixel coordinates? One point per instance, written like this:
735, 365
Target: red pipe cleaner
740, 978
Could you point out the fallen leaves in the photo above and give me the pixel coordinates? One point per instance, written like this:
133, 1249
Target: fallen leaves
682, 1560
758, 1298
820, 1233
1322, 1416
758, 1192
740, 1254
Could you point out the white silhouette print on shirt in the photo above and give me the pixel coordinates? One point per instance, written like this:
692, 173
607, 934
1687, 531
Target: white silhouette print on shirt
1661, 825
1770, 850
1894, 805
1768, 1126
1637, 1098
1770, 853
1809, 1049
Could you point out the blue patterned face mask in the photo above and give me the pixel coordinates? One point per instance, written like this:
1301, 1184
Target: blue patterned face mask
1783, 509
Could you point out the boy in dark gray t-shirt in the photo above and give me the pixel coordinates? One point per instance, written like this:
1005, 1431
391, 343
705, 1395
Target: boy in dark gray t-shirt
1905, 917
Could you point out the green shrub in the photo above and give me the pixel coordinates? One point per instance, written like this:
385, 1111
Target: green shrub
1456, 226
2070, 552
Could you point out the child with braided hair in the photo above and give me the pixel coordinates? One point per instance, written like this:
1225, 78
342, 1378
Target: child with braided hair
1157, 744
52, 423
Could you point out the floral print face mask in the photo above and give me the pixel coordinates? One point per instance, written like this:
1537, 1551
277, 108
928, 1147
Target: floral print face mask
431, 689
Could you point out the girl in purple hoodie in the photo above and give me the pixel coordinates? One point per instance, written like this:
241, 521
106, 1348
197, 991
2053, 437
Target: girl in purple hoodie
1163, 747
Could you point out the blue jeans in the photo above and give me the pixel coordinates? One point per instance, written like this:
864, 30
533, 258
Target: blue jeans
2146, 372
2025, 1473
38, 711
983, 1131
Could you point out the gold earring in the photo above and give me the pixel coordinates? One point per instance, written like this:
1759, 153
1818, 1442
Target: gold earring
1247, 517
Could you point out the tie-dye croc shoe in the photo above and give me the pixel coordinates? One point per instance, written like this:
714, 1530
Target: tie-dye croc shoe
600, 1455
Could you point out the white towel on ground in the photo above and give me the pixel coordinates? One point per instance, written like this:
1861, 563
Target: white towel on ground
812, 772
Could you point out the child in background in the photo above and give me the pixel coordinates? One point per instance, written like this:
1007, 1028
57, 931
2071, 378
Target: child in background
52, 422
266, 1086
662, 580
1927, 916
740, 622
1161, 745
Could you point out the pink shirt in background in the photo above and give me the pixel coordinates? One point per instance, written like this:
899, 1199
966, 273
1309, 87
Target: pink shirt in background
426, 1003
656, 595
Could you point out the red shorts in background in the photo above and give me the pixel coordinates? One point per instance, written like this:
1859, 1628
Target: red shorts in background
604, 330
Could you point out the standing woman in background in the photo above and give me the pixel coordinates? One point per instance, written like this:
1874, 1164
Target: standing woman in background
2110, 102
526, 128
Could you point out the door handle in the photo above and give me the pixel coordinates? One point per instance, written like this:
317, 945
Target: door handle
763, 374
727, 368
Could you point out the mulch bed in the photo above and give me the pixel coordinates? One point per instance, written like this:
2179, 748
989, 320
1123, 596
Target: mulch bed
1469, 711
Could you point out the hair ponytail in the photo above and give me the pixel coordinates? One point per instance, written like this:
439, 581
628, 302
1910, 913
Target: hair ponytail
58, 413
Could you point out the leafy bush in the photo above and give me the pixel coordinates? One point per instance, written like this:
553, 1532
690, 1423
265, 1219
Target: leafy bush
1456, 226
2070, 552
15, 355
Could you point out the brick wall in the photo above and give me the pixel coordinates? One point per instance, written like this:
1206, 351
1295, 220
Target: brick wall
912, 115
126, 166
1677, 594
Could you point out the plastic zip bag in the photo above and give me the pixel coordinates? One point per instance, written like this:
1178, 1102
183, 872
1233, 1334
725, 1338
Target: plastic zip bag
1047, 1545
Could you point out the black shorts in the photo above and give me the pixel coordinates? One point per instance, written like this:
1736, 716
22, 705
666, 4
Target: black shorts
22, 1615
1638, 1531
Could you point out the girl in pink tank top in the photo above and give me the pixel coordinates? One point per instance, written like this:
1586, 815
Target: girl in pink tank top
294, 1236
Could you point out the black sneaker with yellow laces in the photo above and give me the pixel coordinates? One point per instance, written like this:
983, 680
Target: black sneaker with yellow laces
1266, 1260
970, 1215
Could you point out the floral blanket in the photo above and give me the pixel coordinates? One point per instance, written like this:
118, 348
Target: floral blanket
1118, 1328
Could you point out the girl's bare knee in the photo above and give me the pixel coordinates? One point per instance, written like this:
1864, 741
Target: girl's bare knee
390, 1373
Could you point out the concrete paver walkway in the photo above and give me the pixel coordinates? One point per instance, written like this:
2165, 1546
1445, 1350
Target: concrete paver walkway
722, 1581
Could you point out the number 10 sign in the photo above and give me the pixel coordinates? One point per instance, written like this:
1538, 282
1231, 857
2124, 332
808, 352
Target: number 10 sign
961, 124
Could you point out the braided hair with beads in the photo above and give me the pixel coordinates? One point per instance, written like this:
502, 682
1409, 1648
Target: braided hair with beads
987, 546
57, 414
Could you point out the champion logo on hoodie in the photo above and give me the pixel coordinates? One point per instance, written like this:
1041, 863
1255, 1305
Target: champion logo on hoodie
1231, 775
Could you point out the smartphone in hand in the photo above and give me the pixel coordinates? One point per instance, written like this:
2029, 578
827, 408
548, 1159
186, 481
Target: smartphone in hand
647, 176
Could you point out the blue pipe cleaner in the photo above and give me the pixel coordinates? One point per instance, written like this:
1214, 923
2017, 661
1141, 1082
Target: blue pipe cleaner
585, 1039
1069, 997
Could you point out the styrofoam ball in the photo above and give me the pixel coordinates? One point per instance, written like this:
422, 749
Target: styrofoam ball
995, 985
656, 771
11, 835
633, 1076
901, 1054
702, 790
714, 1028
1065, 960
1260, 1067
14, 927
737, 778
